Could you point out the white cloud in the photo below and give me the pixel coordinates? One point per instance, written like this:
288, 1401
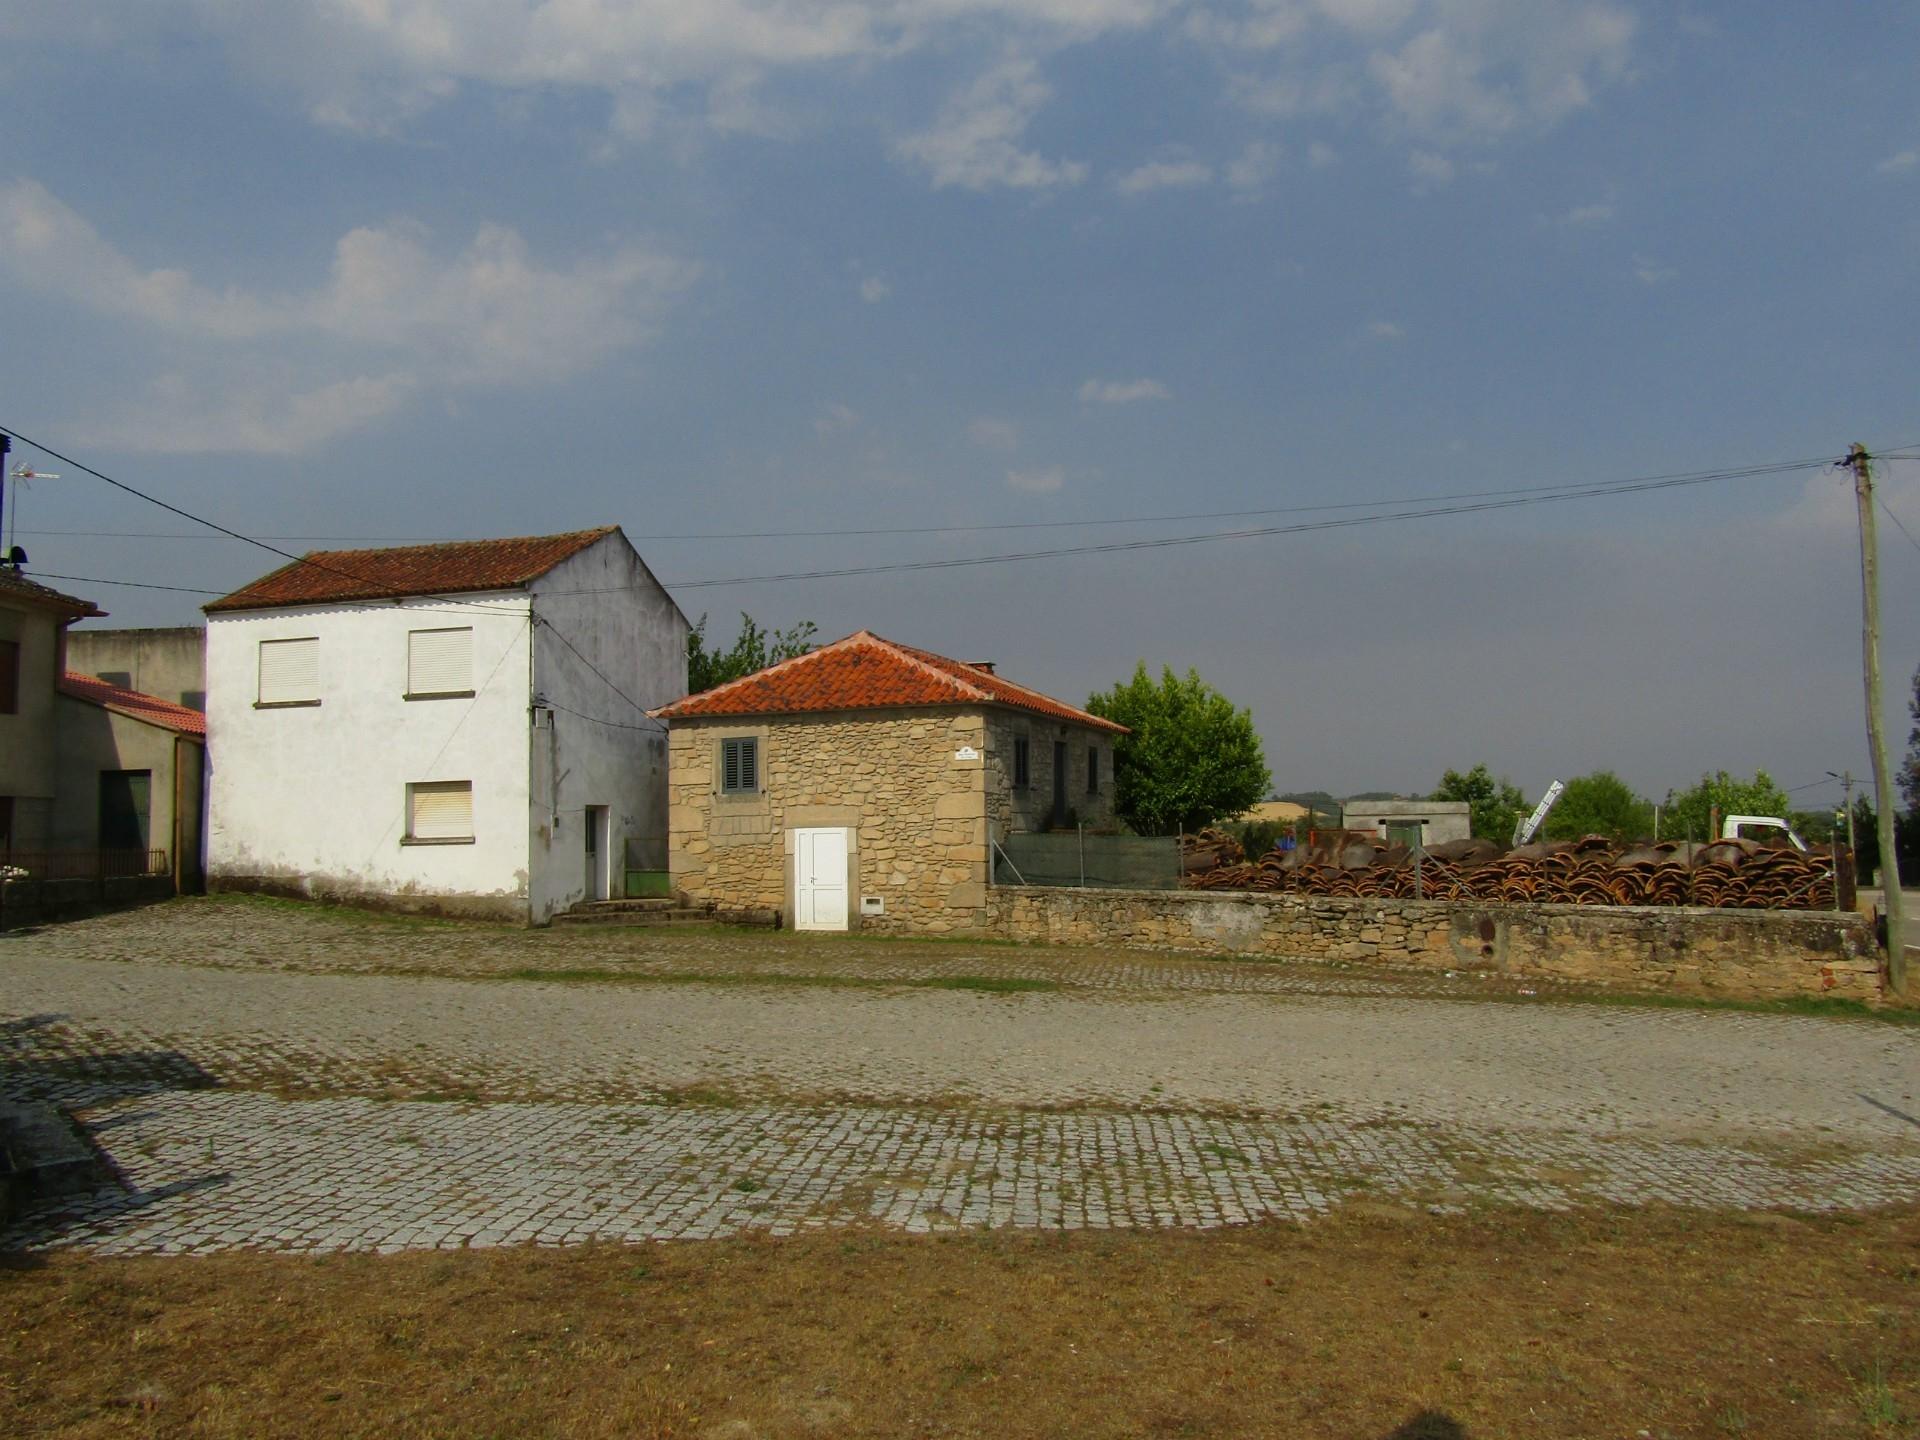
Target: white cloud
1320, 155
835, 419
174, 416
1122, 392
1649, 271
391, 318
1253, 168
1165, 174
975, 142
991, 434
1045, 481
1900, 164
1582, 215
875, 288
1384, 330
1430, 168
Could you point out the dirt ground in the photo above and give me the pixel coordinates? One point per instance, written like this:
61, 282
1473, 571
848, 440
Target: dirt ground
1380, 1323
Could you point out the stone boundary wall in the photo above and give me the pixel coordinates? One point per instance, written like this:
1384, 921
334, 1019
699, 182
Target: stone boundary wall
1724, 954
45, 902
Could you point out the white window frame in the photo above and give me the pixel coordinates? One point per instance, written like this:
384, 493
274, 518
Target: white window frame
284, 702
465, 693
441, 787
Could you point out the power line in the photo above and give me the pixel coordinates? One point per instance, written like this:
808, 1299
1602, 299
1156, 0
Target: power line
1777, 467
129, 584
1897, 524
1167, 542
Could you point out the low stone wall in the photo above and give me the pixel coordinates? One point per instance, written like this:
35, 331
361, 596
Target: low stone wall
44, 902
1726, 954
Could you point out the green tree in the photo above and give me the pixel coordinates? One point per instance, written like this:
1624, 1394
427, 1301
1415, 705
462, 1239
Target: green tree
1599, 804
753, 649
1688, 814
1910, 768
1192, 757
1495, 805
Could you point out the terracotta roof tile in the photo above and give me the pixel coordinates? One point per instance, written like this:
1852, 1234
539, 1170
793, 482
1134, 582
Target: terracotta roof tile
137, 703
454, 567
865, 672
15, 586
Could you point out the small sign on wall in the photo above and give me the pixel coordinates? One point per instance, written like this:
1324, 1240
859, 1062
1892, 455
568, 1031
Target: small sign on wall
966, 752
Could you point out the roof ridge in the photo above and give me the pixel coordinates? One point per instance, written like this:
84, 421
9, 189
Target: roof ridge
596, 531
917, 658
1000, 679
725, 685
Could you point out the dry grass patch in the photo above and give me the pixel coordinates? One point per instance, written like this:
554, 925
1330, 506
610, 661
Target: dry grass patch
1380, 1322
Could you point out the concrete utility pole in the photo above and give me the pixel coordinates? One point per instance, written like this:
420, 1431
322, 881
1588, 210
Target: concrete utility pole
1861, 464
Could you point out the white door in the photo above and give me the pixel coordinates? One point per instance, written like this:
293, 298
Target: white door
820, 879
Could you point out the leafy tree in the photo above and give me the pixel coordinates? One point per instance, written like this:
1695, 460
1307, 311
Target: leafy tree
1192, 758
1910, 768
1689, 813
1866, 856
1495, 805
753, 649
1599, 804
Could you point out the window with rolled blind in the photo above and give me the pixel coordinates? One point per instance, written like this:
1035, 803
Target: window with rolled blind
290, 672
439, 663
440, 810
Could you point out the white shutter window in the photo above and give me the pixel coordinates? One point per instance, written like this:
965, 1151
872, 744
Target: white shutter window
290, 672
440, 662
440, 810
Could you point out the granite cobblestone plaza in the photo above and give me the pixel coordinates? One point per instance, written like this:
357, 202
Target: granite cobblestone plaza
275, 1077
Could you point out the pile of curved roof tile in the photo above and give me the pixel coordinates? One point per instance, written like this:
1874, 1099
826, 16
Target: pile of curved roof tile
1728, 874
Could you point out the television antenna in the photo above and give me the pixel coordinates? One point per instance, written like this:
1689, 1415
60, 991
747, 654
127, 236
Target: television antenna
23, 476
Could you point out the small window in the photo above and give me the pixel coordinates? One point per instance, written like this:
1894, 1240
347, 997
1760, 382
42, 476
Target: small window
439, 663
739, 766
290, 672
9, 677
1093, 769
440, 811
1022, 765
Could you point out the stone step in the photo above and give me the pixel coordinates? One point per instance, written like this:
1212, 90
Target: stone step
42, 1154
671, 915
609, 907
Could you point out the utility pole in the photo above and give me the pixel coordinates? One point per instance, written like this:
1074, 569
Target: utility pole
1845, 777
1861, 464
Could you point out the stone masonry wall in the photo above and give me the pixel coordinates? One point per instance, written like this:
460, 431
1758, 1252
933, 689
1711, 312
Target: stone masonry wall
895, 778
1726, 954
1012, 808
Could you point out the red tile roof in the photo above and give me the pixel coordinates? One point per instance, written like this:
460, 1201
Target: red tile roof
865, 672
455, 567
138, 704
15, 586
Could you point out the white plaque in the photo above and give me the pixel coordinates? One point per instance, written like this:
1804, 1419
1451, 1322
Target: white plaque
966, 752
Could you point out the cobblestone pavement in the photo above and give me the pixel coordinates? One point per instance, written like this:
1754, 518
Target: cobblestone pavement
261, 1087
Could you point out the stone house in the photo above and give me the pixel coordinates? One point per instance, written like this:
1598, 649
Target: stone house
33, 659
456, 728
861, 785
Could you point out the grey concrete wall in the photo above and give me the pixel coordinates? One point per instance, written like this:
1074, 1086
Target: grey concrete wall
1727, 954
169, 662
1442, 820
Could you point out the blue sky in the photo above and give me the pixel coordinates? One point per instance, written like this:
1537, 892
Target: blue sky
407, 268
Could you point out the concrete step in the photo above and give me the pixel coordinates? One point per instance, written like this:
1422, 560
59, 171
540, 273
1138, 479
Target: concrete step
42, 1155
667, 915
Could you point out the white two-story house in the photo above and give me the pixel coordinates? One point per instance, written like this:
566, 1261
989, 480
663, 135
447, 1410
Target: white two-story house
456, 729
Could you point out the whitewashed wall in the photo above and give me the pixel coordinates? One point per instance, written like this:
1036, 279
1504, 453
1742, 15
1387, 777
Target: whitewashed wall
312, 800
601, 748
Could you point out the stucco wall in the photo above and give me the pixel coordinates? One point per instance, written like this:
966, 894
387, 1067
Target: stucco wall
92, 739
1730, 954
170, 662
897, 779
27, 763
312, 800
1442, 820
600, 749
